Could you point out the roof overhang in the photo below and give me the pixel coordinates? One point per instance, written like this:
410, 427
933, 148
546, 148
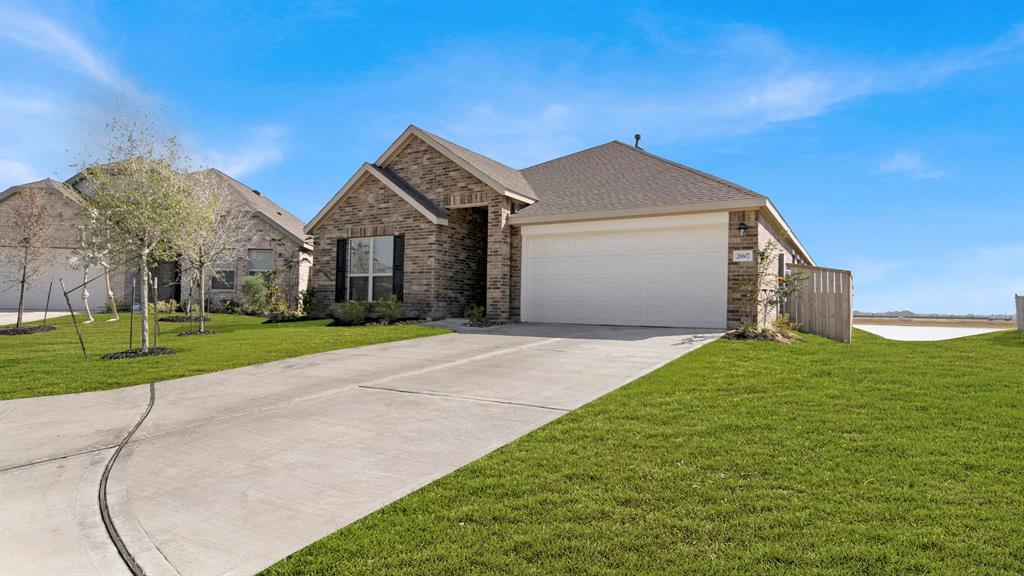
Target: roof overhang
763, 205
368, 169
415, 132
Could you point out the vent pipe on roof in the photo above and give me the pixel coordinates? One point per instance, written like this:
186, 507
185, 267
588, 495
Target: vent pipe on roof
637, 137
257, 192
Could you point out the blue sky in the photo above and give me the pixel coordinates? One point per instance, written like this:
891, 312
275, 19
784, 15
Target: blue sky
890, 136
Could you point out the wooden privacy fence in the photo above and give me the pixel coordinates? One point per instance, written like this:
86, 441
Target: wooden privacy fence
823, 301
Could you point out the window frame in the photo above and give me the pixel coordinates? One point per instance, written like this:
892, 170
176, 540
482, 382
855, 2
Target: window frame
369, 274
251, 271
218, 277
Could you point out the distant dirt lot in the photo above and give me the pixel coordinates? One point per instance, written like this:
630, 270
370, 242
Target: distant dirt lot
952, 322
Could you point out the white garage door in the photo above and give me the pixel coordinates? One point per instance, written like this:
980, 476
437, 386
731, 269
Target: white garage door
664, 271
35, 293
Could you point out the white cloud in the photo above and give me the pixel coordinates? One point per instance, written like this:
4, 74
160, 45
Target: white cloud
263, 148
912, 164
45, 36
14, 172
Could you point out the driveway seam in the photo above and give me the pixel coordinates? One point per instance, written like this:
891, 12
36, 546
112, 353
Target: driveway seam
470, 398
61, 457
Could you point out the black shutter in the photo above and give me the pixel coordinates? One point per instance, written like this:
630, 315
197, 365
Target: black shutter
398, 267
339, 270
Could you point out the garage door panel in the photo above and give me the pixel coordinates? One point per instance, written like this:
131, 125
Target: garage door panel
672, 276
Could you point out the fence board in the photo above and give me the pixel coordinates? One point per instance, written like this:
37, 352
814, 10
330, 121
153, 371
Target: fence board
823, 302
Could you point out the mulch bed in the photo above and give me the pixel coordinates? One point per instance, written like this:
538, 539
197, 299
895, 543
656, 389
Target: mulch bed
197, 333
25, 330
137, 353
182, 319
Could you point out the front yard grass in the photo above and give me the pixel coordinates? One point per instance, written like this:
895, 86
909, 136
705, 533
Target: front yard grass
877, 457
52, 363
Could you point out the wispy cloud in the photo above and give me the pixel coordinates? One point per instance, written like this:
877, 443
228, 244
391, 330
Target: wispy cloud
733, 81
45, 36
263, 147
14, 171
912, 164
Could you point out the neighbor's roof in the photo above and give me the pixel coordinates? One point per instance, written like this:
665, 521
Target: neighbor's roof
48, 185
508, 177
277, 216
617, 176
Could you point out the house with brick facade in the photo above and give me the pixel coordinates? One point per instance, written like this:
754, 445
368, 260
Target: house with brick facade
277, 245
608, 235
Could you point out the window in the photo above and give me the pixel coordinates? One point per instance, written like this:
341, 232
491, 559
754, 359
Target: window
261, 262
223, 276
370, 267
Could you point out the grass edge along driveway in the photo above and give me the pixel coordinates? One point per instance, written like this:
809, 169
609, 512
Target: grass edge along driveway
877, 457
52, 363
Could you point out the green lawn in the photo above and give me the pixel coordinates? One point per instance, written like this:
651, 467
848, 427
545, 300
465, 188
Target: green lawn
52, 363
876, 457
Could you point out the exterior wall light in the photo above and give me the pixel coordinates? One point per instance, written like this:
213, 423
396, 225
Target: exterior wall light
742, 228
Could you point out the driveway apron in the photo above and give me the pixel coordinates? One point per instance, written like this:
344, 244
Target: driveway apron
234, 470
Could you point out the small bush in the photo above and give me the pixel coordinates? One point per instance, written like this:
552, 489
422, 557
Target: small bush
784, 325
389, 309
167, 306
311, 305
351, 313
477, 315
254, 295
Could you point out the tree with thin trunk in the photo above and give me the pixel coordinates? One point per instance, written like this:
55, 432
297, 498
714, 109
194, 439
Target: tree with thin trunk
30, 254
219, 229
139, 198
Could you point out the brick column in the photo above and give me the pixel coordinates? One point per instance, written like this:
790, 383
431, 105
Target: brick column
499, 242
741, 302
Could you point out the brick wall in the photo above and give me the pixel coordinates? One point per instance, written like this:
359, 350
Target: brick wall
289, 258
371, 209
741, 299
447, 268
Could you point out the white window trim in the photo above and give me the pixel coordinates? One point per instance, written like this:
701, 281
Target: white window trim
369, 274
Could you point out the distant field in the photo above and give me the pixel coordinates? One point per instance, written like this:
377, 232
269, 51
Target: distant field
952, 322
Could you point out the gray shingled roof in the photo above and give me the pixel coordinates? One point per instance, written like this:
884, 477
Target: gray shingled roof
278, 216
619, 176
510, 178
47, 184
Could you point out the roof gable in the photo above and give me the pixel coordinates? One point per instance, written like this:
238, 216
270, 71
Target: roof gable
417, 200
264, 207
503, 179
46, 184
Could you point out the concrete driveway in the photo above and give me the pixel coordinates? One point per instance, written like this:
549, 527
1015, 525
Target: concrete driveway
11, 316
233, 470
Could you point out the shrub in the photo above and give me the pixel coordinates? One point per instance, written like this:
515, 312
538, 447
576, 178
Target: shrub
477, 315
389, 309
167, 306
254, 295
784, 325
351, 313
311, 305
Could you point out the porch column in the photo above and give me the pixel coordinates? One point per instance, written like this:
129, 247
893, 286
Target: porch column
499, 250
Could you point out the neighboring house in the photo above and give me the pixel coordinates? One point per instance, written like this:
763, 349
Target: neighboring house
278, 245
63, 210
609, 235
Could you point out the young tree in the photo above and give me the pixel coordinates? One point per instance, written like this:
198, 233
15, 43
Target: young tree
95, 249
30, 255
139, 197
216, 233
